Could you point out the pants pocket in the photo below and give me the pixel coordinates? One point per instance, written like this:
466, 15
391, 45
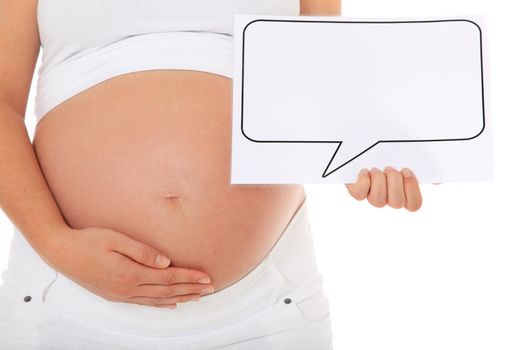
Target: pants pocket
12, 300
21, 307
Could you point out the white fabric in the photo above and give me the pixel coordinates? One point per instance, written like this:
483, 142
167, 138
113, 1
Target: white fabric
250, 314
86, 42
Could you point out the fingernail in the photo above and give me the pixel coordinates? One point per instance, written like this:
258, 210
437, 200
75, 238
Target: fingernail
207, 290
205, 280
406, 172
389, 168
363, 171
195, 298
162, 260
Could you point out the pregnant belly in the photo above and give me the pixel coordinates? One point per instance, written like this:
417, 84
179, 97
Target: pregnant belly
148, 154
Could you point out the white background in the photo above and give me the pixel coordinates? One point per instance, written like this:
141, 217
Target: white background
451, 275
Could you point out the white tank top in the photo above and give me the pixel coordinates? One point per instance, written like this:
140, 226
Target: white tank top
85, 42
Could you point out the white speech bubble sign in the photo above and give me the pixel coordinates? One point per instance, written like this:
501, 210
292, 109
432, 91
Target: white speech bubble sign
397, 81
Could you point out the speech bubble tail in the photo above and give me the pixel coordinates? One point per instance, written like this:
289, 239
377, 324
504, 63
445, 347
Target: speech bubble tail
344, 154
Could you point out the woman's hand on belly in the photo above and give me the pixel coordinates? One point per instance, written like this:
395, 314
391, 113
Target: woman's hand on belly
118, 268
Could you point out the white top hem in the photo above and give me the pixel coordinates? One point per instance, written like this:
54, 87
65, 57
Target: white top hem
200, 51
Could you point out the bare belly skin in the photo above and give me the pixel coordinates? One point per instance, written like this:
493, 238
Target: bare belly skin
148, 154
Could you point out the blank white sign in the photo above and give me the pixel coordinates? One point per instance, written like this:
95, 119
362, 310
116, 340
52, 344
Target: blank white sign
318, 98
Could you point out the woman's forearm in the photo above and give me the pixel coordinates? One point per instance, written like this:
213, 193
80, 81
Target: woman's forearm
25, 196
320, 7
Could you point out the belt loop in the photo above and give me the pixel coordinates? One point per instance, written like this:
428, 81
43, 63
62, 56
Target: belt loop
306, 288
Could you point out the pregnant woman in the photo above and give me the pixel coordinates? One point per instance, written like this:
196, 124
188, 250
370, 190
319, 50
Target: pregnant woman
127, 231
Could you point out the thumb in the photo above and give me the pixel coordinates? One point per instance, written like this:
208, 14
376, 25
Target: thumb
359, 190
141, 253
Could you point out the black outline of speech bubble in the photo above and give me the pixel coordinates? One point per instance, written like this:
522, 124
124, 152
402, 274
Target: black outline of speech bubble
340, 142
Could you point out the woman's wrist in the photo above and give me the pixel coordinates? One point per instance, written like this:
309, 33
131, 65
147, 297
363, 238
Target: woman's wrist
53, 244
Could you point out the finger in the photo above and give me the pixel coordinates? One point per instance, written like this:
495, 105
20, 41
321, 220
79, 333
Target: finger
161, 291
140, 252
359, 190
395, 189
163, 301
412, 191
377, 195
172, 275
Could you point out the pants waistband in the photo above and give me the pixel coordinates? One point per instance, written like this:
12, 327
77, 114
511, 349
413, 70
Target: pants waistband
288, 271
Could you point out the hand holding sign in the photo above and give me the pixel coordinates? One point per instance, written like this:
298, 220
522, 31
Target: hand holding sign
398, 189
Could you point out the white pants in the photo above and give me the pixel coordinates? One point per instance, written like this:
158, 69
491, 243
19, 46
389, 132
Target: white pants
280, 304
